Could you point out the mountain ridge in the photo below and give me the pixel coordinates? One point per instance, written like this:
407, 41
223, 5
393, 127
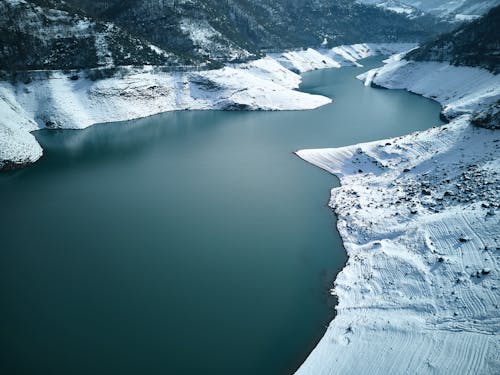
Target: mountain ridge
473, 44
83, 34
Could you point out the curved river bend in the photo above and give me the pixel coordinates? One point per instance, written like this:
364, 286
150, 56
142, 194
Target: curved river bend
185, 243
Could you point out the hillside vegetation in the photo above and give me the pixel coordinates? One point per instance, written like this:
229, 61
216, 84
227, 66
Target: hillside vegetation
54, 34
473, 44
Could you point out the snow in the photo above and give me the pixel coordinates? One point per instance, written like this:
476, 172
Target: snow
350, 54
459, 89
79, 104
200, 32
208, 40
419, 217
50, 23
440, 8
466, 17
397, 7
16, 2
270, 69
304, 61
17, 146
158, 50
104, 55
59, 102
344, 55
400, 10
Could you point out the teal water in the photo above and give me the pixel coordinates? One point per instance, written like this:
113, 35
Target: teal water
184, 243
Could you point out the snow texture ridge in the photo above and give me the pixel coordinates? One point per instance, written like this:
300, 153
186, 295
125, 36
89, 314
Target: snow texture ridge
419, 217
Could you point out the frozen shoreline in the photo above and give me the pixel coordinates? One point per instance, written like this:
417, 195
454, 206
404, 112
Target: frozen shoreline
419, 218
59, 102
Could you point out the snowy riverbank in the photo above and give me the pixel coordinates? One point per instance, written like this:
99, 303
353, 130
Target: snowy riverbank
419, 217
60, 102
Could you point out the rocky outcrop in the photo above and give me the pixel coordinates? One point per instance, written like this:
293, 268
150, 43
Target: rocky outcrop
488, 118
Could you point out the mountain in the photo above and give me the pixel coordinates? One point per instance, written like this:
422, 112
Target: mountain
451, 9
473, 44
73, 34
50, 34
396, 6
214, 27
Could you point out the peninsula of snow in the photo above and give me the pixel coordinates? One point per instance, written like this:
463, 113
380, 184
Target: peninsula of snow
419, 218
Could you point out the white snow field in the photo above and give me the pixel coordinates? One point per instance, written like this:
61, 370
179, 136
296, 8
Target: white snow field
419, 218
59, 102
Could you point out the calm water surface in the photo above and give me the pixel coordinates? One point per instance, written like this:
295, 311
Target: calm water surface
185, 243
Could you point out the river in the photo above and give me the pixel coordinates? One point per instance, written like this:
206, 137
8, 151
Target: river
185, 243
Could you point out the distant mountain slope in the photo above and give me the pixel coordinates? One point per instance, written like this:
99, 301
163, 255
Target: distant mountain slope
397, 7
72, 34
218, 29
474, 44
475, 7
45, 34
458, 9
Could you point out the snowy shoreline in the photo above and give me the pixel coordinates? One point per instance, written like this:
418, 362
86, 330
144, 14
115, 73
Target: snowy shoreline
419, 218
269, 83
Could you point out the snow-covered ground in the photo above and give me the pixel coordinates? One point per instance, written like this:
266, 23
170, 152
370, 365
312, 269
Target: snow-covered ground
419, 217
60, 102
17, 146
208, 40
336, 57
442, 8
460, 90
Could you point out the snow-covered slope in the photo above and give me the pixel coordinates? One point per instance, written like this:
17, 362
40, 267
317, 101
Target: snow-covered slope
442, 8
62, 102
210, 42
473, 44
344, 55
50, 34
17, 146
348, 55
470, 8
222, 30
399, 7
459, 89
419, 216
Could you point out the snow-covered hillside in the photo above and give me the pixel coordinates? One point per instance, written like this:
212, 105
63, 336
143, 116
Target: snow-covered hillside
474, 8
399, 7
473, 44
222, 30
17, 146
210, 42
345, 55
419, 217
52, 35
460, 90
458, 10
62, 101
